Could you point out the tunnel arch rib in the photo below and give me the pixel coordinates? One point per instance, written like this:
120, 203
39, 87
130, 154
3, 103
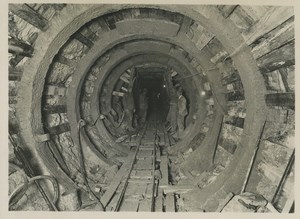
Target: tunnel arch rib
134, 45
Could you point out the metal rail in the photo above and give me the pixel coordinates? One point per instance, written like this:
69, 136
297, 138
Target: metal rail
154, 165
130, 170
122, 194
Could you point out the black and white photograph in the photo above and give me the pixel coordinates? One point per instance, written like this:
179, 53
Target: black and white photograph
150, 107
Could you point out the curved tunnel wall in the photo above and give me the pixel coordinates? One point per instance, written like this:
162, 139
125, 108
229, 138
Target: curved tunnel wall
205, 46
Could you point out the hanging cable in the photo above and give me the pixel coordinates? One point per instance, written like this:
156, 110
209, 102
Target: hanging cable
80, 124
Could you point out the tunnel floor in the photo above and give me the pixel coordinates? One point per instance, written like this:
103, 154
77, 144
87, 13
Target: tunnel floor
144, 183
138, 189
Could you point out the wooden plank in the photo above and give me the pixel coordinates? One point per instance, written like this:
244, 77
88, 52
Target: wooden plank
281, 99
103, 24
235, 121
110, 20
268, 22
29, 15
236, 85
141, 174
15, 61
52, 109
127, 74
84, 40
119, 94
114, 185
177, 189
124, 79
185, 26
145, 153
164, 170
146, 148
126, 14
89, 34
281, 35
281, 57
14, 74
145, 164
170, 202
124, 89
59, 129
19, 48
204, 39
235, 95
284, 73
55, 90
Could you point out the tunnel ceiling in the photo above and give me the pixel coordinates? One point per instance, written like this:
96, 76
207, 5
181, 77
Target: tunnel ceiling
85, 62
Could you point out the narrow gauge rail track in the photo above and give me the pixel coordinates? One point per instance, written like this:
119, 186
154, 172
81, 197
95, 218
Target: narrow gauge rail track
138, 188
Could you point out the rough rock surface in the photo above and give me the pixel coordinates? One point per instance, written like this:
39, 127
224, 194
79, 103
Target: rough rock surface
245, 202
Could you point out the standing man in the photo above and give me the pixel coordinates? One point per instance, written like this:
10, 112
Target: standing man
172, 114
182, 112
143, 106
129, 106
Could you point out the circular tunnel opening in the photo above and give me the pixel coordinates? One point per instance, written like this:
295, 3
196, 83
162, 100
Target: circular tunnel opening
118, 66
151, 81
146, 91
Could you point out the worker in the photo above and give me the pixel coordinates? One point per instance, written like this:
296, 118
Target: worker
182, 112
143, 106
172, 114
129, 106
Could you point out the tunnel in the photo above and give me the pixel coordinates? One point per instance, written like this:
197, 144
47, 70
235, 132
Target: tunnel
151, 108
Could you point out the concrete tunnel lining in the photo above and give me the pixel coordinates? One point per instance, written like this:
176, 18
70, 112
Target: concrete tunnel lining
94, 108
238, 60
88, 61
